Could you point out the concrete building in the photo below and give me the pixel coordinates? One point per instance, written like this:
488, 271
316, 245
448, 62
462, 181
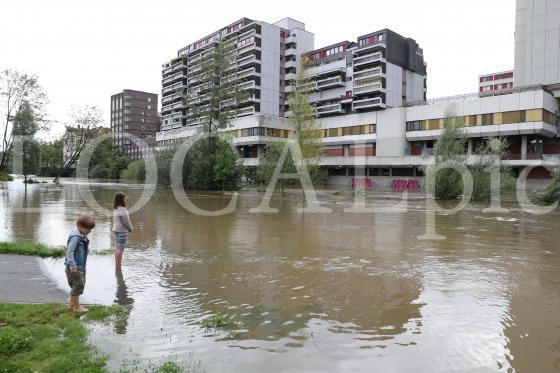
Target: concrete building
134, 116
537, 42
266, 55
495, 81
381, 69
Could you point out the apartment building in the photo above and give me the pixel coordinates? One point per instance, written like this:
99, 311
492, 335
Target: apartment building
380, 70
266, 58
495, 81
134, 121
537, 42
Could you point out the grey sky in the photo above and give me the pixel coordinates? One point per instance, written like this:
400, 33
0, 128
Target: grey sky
85, 51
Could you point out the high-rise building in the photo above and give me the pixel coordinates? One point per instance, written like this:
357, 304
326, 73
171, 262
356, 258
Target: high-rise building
382, 69
495, 81
537, 42
267, 56
134, 121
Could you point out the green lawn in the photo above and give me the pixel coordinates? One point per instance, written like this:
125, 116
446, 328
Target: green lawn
31, 248
49, 338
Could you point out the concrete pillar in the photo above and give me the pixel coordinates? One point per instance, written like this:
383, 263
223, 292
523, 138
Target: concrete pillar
524, 147
469, 147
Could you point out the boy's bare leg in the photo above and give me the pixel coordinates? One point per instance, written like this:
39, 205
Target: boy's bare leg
77, 306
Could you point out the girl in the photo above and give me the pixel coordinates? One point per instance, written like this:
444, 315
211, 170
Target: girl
121, 225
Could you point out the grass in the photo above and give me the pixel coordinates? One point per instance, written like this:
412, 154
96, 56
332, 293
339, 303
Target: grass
5, 177
217, 321
49, 338
38, 249
31, 248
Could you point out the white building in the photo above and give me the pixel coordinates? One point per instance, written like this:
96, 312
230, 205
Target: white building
495, 82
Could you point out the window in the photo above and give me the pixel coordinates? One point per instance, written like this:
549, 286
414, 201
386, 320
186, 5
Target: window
149, 99
414, 125
149, 107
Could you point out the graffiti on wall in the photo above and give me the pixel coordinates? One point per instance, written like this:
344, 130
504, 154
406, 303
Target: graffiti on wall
401, 185
362, 182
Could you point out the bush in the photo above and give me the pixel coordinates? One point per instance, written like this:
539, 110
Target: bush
5, 177
135, 170
552, 192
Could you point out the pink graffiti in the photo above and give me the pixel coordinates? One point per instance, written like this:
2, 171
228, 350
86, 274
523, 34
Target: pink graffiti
361, 182
400, 185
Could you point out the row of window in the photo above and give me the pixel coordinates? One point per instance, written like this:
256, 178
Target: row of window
518, 116
496, 87
490, 78
371, 40
348, 131
325, 53
243, 42
262, 131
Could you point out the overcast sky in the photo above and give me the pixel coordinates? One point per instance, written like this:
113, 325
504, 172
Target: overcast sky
85, 51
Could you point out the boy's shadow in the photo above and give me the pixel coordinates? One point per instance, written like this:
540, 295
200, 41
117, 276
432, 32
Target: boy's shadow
122, 298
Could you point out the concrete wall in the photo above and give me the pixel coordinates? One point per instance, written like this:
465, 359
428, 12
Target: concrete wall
391, 133
537, 42
394, 85
270, 69
379, 183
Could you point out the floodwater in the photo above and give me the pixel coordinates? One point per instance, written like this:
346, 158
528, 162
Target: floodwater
322, 292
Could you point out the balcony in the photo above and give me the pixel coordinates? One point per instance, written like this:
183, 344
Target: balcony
245, 73
367, 103
194, 69
245, 35
329, 109
367, 88
330, 83
178, 66
226, 103
368, 58
247, 85
249, 110
369, 73
291, 64
310, 86
370, 47
246, 60
291, 51
246, 48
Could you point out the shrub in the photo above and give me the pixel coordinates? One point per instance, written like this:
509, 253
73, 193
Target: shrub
135, 170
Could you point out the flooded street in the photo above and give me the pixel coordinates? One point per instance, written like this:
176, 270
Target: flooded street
311, 292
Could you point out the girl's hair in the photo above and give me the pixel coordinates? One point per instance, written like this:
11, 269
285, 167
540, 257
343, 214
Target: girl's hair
120, 200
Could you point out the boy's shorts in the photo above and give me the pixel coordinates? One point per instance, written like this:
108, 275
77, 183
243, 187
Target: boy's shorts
120, 239
76, 280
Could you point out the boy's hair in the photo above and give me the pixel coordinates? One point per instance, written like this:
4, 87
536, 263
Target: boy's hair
85, 221
120, 200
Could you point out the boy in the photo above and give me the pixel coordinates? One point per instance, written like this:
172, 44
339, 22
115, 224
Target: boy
77, 248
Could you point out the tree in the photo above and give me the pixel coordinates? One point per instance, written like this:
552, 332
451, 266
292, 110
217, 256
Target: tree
268, 163
217, 99
17, 88
489, 152
85, 126
107, 161
136, 170
449, 150
303, 120
25, 126
51, 155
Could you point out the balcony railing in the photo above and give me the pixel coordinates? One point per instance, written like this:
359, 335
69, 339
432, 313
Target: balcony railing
245, 111
246, 60
369, 73
329, 108
245, 73
367, 103
367, 88
368, 58
330, 82
247, 85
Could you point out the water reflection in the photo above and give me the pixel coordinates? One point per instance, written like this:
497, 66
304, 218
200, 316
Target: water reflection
122, 298
332, 292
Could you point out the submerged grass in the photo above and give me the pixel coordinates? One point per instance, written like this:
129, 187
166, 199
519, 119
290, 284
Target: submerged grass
49, 338
38, 249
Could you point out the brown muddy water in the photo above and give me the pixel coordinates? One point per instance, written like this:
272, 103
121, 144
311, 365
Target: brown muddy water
329, 292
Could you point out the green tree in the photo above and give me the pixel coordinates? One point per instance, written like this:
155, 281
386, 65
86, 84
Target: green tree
136, 170
552, 192
18, 89
226, 169
449, 150
107, 161
303, 121
25, 126
51, 155
268, 163
488, 153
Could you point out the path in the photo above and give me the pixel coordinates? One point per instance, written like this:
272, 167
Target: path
23, 280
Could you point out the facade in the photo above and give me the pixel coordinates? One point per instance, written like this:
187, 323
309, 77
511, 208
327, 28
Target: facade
495, 81
134, 116
370, 99
537, 42
381, 69
399, 141
266, 58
